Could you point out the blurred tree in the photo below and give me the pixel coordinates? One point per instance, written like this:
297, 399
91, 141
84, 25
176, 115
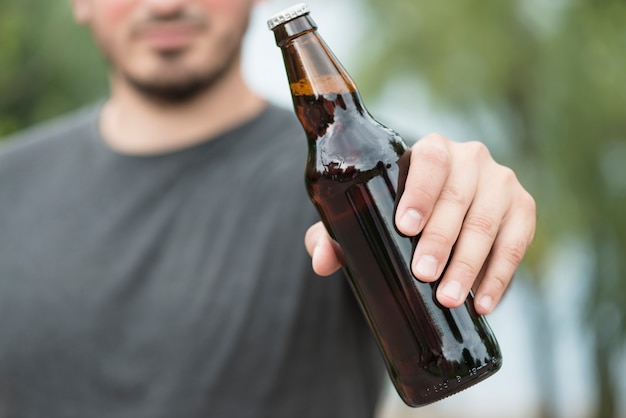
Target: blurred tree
47, 65
553, 72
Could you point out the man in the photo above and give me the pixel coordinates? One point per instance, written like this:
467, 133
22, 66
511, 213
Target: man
151, 262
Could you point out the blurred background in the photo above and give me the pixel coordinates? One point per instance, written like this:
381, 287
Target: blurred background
542, 82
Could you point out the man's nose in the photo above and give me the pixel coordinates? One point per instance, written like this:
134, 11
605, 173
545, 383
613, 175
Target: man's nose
165, 7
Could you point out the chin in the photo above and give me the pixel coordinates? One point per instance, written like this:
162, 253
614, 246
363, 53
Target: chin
176, 75
172, 90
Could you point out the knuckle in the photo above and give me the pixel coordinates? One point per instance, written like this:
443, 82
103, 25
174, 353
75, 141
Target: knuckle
508, 176
434, 153
453, 194
467, 267
504, 178
498, 282
438, 237
481, 224
478, 150
532, 216
529, 202
419, 196
437, 137
513, 252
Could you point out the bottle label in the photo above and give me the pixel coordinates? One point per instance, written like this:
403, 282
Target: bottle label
326, 84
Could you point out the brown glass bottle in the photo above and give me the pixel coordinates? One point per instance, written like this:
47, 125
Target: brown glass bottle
355, 172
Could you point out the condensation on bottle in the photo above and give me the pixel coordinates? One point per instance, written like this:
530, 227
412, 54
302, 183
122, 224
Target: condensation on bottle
355, 173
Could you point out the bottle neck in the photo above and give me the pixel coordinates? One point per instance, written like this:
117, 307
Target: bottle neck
316, 78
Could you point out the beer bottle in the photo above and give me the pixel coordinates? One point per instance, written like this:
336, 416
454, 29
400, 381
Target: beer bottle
355, 174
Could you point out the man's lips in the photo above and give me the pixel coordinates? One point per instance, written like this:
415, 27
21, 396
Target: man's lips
170, 35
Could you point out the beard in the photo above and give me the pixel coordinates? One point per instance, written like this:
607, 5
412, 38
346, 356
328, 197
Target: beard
176, 84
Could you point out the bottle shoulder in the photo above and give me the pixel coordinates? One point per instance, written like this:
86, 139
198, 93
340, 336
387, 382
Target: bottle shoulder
356, 144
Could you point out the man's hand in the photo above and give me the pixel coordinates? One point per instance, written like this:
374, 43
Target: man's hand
455, 195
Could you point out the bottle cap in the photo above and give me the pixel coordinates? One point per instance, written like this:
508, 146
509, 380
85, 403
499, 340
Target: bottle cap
288, 14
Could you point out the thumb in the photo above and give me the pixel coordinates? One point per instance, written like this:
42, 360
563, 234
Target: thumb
326, 255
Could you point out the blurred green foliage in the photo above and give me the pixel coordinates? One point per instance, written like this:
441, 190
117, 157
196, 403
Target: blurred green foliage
553, 72
47, 64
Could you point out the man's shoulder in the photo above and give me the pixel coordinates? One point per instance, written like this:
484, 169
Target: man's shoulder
55, 132
281, 120
280, 128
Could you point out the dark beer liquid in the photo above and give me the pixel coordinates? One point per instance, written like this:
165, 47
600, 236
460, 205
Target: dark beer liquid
352, 176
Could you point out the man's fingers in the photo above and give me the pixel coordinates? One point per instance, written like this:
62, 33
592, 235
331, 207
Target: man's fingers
458, 197
491, 243
473, 246
430, 166
326, 255
442, 229
514, 237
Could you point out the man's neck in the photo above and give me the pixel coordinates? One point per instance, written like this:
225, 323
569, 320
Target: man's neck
132, 123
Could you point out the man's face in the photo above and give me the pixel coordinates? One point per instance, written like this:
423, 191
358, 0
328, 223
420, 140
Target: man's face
169, 49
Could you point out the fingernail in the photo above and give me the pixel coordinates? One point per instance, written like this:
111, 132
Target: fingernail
426, 267
451, 290
410, 222
486, 302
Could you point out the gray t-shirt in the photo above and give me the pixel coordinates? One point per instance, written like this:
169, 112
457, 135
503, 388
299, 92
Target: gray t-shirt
174, 285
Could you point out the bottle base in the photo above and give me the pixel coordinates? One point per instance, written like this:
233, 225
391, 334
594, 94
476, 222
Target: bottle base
422, 395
